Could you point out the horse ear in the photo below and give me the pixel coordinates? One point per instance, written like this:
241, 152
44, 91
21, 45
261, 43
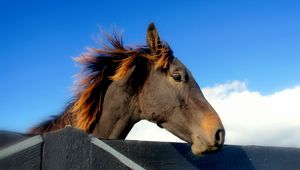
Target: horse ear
153, 40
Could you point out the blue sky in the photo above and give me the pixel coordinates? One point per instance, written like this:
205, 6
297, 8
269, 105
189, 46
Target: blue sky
220, 41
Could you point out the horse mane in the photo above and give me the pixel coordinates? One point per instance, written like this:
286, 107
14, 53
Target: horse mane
101, 67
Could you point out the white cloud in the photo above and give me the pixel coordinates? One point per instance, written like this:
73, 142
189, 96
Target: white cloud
145, 130
249, 117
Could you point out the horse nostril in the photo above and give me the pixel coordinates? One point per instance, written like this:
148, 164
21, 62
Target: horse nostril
219, 137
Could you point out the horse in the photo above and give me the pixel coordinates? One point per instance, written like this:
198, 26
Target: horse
121, 85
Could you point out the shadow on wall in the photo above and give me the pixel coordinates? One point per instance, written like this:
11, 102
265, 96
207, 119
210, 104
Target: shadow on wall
228, 158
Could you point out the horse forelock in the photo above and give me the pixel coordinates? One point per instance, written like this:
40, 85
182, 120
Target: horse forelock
101, 66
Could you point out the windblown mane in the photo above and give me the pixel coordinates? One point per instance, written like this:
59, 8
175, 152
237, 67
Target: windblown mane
100, 68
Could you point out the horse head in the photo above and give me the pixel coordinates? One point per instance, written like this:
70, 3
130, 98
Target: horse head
172, 98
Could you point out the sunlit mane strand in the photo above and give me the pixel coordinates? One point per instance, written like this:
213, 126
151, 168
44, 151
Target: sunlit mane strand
101, 67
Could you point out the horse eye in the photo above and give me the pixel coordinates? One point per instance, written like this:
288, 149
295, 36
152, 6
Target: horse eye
177, 77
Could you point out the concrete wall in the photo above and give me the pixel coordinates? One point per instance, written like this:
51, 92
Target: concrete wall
71, 148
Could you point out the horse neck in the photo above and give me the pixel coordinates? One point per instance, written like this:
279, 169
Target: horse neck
119, 113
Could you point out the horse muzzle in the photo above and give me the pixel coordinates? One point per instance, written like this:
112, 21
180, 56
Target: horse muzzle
201, 145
